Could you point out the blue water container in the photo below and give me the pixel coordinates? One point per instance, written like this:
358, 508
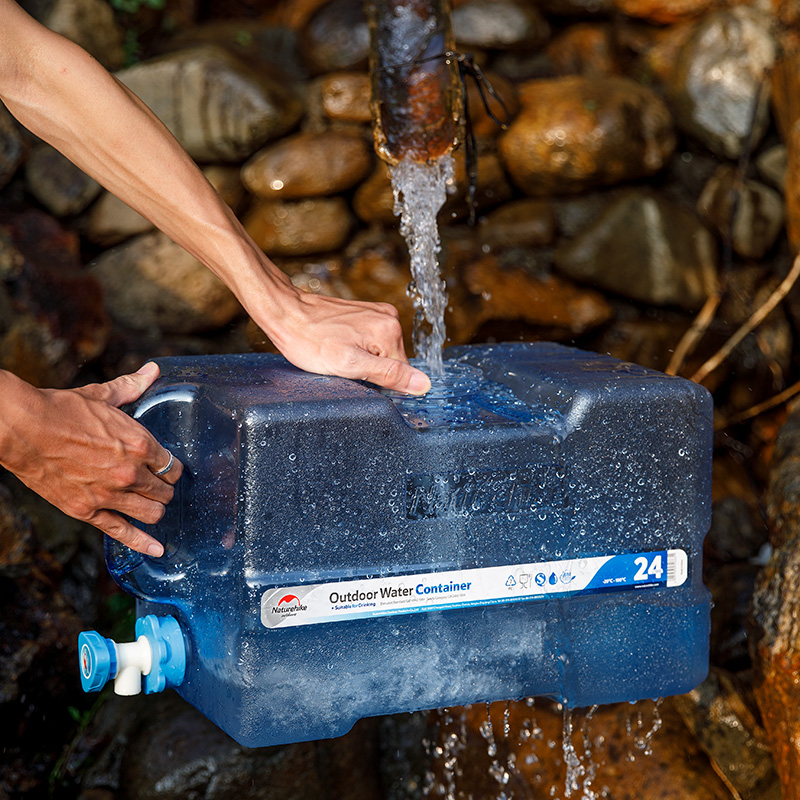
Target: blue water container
534, 526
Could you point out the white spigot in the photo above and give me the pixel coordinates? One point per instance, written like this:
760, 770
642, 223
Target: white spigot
134, 659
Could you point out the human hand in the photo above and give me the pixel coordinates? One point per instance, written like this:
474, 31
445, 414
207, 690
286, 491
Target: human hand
349, 338
79, 451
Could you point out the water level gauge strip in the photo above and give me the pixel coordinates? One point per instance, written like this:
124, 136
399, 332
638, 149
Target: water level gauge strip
311, 604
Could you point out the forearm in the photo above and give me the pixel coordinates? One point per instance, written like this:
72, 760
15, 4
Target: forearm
15, 395
65, 97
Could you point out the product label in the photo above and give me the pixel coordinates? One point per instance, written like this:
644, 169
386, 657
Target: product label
312, 604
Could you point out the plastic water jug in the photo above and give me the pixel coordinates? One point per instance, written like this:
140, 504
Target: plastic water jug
533, 526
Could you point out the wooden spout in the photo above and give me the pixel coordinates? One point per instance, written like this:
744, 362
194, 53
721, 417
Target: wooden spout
416, 94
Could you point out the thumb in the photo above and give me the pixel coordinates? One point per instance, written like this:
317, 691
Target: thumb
127, 388
399, 376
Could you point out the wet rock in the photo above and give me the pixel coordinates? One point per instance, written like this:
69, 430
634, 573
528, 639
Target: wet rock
89, 23
111, 221
647, 249
772, 165
727, 730
751, 213
621, 751
346, 95
374, 199
793, 186
37, 683
731, 587
308, 165
492, 187
576, 8
499, 25
783, 493
718, 81
664, 11
217, 107
738, 530
11, 146
59, 320
483, 126
16, 539
526, 222
575, 133
267, 46
336, 37
177, 753
57, 183
152, 283
584, 49
775, 644
659, 54
546, 301
785, 92
299, 228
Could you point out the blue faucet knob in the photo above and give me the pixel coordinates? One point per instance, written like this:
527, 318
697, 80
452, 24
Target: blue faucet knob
97, 658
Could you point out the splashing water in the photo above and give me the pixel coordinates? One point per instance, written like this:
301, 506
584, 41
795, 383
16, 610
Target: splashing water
420, 190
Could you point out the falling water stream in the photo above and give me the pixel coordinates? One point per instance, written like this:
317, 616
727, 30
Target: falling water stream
420, 190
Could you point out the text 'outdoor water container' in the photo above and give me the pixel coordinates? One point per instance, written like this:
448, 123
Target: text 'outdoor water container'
534, 526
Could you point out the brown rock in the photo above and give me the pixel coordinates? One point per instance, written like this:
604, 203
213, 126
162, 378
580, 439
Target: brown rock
11, 146
374, 199
584, 49
345, 96
16, 538
492, 187
775, 644
151, 282
89, 23
645, 248
499, 25
57, 183
227, 182
111, 221
308, 165
61, 322
727, 730
336, 37
758, 217
530, 223
665, 11
549, 302
783, 494
626, 752
218, 108
575, 133
483, 126
785, 88
300, 228
793, 187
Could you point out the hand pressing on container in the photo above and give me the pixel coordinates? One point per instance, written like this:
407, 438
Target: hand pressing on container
79, 451
60, 93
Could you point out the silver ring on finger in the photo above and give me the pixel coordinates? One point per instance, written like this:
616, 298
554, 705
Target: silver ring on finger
165, 470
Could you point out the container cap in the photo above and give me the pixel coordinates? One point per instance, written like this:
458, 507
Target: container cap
98, 660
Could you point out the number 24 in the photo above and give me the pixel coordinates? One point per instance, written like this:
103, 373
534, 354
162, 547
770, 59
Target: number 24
655, 570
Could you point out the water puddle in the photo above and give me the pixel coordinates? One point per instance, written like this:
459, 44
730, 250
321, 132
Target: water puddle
420, 190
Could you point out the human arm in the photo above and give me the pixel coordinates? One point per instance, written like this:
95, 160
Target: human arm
65, 97
75, 448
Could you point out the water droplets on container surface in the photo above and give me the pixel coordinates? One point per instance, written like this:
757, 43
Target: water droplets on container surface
469, 546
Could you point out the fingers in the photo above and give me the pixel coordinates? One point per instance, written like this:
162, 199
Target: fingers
117, 527
166, 467
398, 376
126, 388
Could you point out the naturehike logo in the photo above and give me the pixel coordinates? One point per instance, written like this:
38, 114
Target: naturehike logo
289, 605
